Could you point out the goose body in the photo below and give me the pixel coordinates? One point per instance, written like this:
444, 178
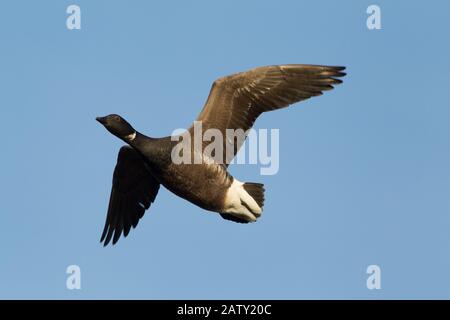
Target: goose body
203, 184
234, 103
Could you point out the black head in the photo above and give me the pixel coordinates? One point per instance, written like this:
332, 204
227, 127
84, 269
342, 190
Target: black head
118, 126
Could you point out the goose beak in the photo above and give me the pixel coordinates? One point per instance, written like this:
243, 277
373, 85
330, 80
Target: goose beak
102, 120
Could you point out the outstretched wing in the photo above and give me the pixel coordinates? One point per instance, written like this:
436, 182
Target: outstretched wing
236, 101
133, 191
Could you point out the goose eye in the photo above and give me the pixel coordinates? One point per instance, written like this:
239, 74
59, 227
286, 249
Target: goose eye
117, 118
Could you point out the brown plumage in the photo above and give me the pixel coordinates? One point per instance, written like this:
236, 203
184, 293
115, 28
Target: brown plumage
234, 103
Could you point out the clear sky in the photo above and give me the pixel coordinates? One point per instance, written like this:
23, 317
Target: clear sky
364, 170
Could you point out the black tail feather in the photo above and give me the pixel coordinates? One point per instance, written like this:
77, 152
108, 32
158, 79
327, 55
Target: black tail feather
256, 191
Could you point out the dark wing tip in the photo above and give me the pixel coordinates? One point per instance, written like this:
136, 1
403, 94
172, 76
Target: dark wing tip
117, 235
338, 72
133, 184
333, 74
110, 232
104, 233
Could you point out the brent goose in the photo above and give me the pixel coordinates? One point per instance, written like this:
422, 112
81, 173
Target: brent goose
234, 102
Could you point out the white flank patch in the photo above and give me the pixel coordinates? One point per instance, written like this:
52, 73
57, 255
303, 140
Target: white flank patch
236, 196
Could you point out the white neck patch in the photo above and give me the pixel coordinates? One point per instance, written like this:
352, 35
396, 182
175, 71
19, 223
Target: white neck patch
131, 137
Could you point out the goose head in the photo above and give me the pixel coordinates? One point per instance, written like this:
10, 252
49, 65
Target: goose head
118, 126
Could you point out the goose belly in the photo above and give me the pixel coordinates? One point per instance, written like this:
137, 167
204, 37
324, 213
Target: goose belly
205, 185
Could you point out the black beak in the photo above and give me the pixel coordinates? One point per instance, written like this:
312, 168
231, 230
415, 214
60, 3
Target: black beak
102, 120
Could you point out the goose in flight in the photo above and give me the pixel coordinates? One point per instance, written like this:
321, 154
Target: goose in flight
234, 102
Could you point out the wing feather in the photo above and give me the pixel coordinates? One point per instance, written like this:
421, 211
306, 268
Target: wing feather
133, 190
236, 101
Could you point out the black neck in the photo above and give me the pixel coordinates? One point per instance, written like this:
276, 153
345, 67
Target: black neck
139, 141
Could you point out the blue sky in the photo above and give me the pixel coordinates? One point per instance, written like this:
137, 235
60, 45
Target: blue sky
364, 170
